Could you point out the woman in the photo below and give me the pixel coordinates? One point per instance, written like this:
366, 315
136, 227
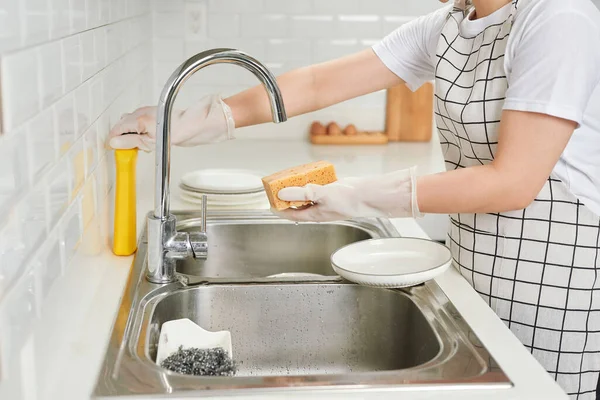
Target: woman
518, 112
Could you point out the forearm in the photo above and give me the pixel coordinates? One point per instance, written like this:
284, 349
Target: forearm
481, 189
252, 107
315, 87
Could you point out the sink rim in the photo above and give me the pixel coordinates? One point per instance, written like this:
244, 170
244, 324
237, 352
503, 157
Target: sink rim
379, 227
123, 373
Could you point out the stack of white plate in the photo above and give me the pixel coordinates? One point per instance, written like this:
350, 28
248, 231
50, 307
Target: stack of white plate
225, 189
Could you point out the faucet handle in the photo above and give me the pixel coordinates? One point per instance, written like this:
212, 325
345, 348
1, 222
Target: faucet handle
199, 240
203, 217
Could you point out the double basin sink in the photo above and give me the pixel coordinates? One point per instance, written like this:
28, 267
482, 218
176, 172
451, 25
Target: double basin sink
295, 325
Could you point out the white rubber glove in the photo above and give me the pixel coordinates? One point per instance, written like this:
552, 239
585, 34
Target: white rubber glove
392, 195
208, 121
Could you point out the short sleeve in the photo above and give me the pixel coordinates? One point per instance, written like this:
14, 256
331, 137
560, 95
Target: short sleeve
409, 51
555, 65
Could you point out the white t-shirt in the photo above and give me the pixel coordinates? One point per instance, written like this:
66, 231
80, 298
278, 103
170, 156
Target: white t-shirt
552, 63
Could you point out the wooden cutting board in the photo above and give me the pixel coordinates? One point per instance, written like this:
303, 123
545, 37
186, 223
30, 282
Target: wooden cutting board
409, 116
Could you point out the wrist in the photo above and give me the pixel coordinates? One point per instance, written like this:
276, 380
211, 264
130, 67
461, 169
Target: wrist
229, 118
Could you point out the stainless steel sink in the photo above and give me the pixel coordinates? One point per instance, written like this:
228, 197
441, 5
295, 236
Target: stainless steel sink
306, 329
255, 250
311, 333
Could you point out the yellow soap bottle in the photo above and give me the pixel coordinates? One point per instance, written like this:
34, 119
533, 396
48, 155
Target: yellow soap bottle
125, 234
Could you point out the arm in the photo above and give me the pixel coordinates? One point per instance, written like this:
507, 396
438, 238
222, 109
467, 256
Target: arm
529, 146
315, 87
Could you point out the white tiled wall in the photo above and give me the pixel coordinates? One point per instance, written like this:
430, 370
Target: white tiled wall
284, 34
68, 70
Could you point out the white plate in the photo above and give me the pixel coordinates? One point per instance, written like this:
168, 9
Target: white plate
223, 202
227, 198
391, 262
223, 181
262, 204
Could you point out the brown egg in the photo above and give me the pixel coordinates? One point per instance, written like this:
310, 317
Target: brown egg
350, 130
334, 129
317, 129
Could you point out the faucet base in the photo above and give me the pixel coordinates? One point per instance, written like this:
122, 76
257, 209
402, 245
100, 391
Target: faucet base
160, 268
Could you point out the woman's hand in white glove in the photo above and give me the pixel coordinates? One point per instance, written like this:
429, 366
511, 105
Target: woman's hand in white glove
392, 195
208, 121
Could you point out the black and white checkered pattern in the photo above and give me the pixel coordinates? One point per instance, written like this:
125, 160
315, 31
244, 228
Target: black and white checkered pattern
537, 268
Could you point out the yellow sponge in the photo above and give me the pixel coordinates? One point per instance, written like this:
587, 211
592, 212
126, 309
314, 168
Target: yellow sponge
319, 173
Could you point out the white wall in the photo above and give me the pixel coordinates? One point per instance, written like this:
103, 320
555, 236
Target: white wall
283, 34
68, 69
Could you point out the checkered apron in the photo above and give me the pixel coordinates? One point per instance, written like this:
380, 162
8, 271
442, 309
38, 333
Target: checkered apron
537, 268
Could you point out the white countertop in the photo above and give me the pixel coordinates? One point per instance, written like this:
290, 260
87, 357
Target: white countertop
82, 306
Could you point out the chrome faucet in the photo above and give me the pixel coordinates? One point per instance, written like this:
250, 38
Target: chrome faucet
165, 244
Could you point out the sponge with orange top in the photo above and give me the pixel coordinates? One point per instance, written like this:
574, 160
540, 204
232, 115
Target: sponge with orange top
318, 173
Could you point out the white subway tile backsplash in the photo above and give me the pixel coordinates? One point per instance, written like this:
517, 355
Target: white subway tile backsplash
102, 130
312, 26
335, 6
88, 202
77, 16
17, 314
76, 163
41, 142
12, 251
358, 26
92, 14
48, 267
20, 87
83, 117
10, 26
58, 191
88, 55
224, 26
97, 104
70, 229
394, 7
289, 7
169, 25
100, 47
67, 67
51, 73
102, 185
104, 11
391, 23
195, 21
167, 5
118, 10
90, 145
285, 33
64, 111
168, 50
72, 70
33, 217
254, 47
114, 42
238, 6
35, 21
264, 26
163, 70
14, 167
285, 50
60, 18
110, 169
326, 50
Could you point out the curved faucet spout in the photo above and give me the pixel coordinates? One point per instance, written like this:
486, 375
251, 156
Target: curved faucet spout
165, 244
167, 98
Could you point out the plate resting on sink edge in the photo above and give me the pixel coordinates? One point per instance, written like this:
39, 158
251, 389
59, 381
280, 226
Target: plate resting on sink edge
391, 262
